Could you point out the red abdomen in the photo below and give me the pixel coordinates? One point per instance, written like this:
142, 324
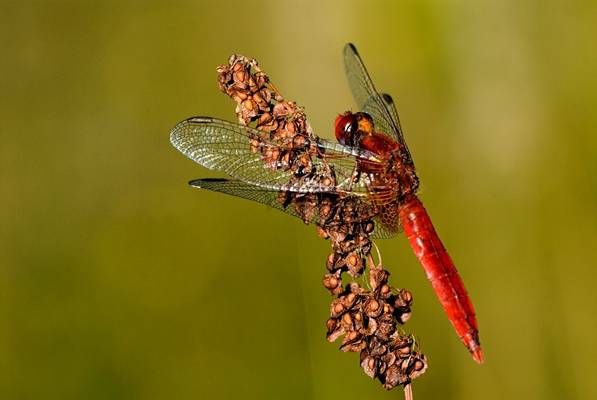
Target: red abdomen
441, 272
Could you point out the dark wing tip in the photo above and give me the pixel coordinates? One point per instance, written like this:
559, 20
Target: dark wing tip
387, 98
350, 47
200, 183
200, 120
194, 120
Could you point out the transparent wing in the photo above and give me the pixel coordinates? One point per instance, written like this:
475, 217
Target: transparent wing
359, 80
246, 154
391, 107
309, 207
379, 106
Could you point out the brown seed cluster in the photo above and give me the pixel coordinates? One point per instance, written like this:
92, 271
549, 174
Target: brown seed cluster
281, 122
365, 315
368, 321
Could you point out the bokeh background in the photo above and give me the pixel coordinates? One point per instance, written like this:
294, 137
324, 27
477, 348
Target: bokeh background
117, 281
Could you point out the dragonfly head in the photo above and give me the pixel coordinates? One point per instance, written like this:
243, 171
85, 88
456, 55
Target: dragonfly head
350, 127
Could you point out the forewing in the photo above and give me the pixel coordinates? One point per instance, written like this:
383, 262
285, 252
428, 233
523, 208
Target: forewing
224, 146
359, 80
306, 206
380, 107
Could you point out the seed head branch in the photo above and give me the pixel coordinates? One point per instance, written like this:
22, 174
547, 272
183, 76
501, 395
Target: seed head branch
366, 318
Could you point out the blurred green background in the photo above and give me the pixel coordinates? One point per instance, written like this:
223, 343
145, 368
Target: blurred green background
117, 281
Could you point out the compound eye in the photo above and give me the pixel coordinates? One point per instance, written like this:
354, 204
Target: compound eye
345, 127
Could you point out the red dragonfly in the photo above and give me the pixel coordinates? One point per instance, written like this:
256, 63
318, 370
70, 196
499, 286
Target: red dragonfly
370, 166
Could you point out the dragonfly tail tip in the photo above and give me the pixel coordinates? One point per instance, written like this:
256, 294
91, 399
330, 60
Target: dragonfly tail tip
478, 355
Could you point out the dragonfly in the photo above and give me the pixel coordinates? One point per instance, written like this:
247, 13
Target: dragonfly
369, 167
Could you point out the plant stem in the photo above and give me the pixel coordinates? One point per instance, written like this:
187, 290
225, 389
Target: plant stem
408, 392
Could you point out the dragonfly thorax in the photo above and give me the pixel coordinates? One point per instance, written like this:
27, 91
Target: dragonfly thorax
395, 170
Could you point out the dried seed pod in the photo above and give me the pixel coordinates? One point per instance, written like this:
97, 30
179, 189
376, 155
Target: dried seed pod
355, 288
389, 358
347, 320
378, 277
236, 62
355, 264
331, 261
363, 244
337, 308
264, 118
239, 75
369, 365
402, 304
266, 94
280, 110
392, 377
403, 351
246, 116
386, 327
353, 342
338, 236
239, 96
385, 291
359, 320
373, 308
353, 260
248, 104
403, 317
252, 85
404, 365
418, 365
261, 80
383, 367
307, 209
322, 233
358, 317
371, 326
334, 330
333, 282
261, 103
222, 71
349, 300
406, 296
402, 346
269, 126
387, 309
335, 262
290, 127
378, 349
